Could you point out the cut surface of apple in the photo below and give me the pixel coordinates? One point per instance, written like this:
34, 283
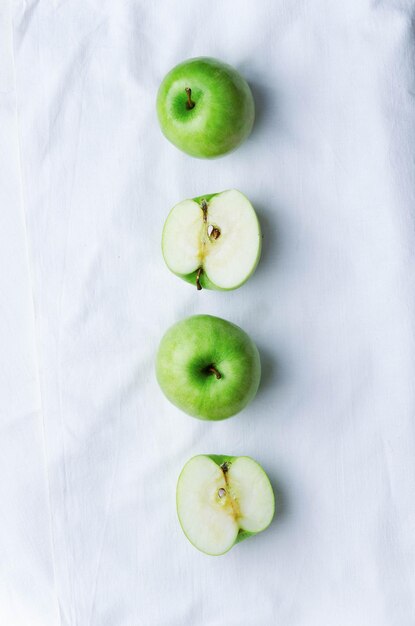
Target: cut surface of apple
222, 500
213, 241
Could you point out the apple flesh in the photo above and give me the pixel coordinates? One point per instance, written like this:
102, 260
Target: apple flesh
205, 107
213, 241
222, 500
208, 367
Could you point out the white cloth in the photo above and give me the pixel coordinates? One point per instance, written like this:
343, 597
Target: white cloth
27, 594
94, 540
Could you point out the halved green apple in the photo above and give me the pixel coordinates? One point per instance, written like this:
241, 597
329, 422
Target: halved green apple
222, 500
213, 241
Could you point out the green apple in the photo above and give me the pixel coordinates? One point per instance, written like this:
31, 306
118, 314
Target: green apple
208, 367
222, 500
213, 241
205, 107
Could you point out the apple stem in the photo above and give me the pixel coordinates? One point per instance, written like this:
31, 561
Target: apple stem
213, 369
189, 104
198, 285
204, 209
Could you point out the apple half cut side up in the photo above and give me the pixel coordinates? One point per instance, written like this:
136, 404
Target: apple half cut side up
213, 241
222, 500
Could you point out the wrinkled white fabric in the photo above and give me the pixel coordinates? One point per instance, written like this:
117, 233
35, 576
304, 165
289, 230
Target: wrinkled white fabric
90, 449
27, 593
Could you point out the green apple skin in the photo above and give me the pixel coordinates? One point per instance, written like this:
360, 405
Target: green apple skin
223, 113
221, 459
187, 351
204, 281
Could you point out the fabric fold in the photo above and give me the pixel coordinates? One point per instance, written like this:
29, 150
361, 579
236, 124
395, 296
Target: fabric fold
27, 585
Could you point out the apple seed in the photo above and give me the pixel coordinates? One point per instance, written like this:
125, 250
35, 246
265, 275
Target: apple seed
215, 233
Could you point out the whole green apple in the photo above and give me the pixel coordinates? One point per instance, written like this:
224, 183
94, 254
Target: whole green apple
208, 367
222, 500
213, 241
205, 107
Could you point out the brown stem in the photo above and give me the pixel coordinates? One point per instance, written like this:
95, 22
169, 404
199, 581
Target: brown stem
213, 369
198, 285
189, 104
204, 209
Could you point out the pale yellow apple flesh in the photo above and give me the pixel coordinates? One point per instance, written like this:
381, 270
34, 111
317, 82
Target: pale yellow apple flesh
215, 241
217, 504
